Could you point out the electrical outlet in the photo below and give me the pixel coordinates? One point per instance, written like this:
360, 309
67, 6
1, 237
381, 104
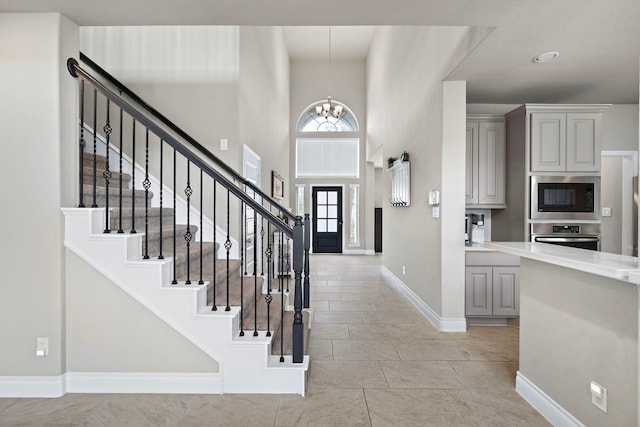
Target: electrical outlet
224, 144
606, 211
42, 347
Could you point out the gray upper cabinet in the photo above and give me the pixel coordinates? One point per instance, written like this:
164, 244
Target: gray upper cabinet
485, 162
565, 142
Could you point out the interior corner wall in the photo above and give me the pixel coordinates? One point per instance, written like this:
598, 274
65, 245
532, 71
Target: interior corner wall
264, 102
37, 105
405, 69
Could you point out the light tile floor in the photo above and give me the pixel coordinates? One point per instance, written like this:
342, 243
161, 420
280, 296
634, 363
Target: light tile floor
375, 361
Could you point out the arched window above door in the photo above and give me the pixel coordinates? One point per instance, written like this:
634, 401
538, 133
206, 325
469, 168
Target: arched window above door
310, 121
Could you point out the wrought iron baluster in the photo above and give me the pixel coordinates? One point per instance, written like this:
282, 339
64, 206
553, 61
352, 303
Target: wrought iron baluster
227, 246
161, 256
120, 230
287, 261
255, 281
82, 145
243, 209
307, 246
269, 253
188, 191
298, 325
95, 147
215, 249
107, 173
281, 327
174, 281
133, 178
262, 245
146, 184
201, 281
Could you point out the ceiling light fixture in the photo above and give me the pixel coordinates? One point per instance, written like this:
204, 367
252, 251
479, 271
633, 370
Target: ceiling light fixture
327, 108
545, 57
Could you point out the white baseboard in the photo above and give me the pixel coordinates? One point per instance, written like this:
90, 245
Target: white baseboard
109, 382
32, 386
545, 405
442, 323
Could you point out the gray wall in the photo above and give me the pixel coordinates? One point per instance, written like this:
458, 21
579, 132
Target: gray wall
109, 331
405, 69
575, 328
37, 164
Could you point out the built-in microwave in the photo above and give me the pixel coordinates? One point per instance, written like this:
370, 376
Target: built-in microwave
565, 197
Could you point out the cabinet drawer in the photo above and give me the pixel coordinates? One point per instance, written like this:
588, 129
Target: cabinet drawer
491, 258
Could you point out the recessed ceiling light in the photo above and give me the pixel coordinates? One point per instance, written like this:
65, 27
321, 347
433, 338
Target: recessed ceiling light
545, 57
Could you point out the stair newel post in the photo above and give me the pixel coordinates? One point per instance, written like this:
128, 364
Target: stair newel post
307, 246
120, 230
298, 325
95, 147
175, 189
146, 184
215, 248
255, 281
188, 191
161, 256
227, 246
82, 145
107, 173
133, 177
201, 281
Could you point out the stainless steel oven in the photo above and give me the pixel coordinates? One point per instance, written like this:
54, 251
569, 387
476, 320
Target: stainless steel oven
583, 235
565, 198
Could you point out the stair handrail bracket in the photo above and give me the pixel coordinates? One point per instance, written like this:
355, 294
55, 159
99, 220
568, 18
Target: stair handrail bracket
155, 193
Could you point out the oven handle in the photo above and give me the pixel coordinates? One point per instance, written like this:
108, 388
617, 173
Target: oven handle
566, 239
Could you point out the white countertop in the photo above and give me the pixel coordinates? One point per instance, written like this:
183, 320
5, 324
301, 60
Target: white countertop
478, 247
619, 267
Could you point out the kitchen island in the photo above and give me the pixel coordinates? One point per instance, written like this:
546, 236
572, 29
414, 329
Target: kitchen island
579, 313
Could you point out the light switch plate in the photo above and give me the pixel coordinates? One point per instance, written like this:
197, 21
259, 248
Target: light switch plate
224, 144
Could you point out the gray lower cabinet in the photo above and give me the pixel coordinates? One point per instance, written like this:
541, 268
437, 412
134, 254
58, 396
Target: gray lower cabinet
492, 285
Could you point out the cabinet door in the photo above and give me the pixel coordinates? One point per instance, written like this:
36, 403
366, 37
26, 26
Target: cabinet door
478, 299
583, 142
471, 178
506, 292
548, 142
491, 163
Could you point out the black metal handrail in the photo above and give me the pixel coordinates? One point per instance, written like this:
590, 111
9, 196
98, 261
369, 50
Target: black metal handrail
123, 89
75, 69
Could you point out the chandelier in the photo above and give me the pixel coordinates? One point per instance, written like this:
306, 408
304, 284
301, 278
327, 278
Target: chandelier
327, 109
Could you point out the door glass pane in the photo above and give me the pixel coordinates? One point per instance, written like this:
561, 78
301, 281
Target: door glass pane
321, 212
322, 197
322, 226
332, 212
332, 225
333, 197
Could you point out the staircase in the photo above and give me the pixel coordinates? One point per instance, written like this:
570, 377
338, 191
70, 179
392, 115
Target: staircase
249, 324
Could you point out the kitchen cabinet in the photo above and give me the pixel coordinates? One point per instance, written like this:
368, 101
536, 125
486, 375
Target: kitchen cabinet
485, 162
492, 285
565, 142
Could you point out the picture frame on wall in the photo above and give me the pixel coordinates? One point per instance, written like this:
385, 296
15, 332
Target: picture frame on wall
277, 186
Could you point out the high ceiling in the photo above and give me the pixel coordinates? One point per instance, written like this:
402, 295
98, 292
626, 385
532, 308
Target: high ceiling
598, 40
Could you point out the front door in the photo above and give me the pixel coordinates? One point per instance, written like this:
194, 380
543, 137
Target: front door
327, 219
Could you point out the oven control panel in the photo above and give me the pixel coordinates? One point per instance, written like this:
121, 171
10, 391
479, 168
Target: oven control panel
573, 229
